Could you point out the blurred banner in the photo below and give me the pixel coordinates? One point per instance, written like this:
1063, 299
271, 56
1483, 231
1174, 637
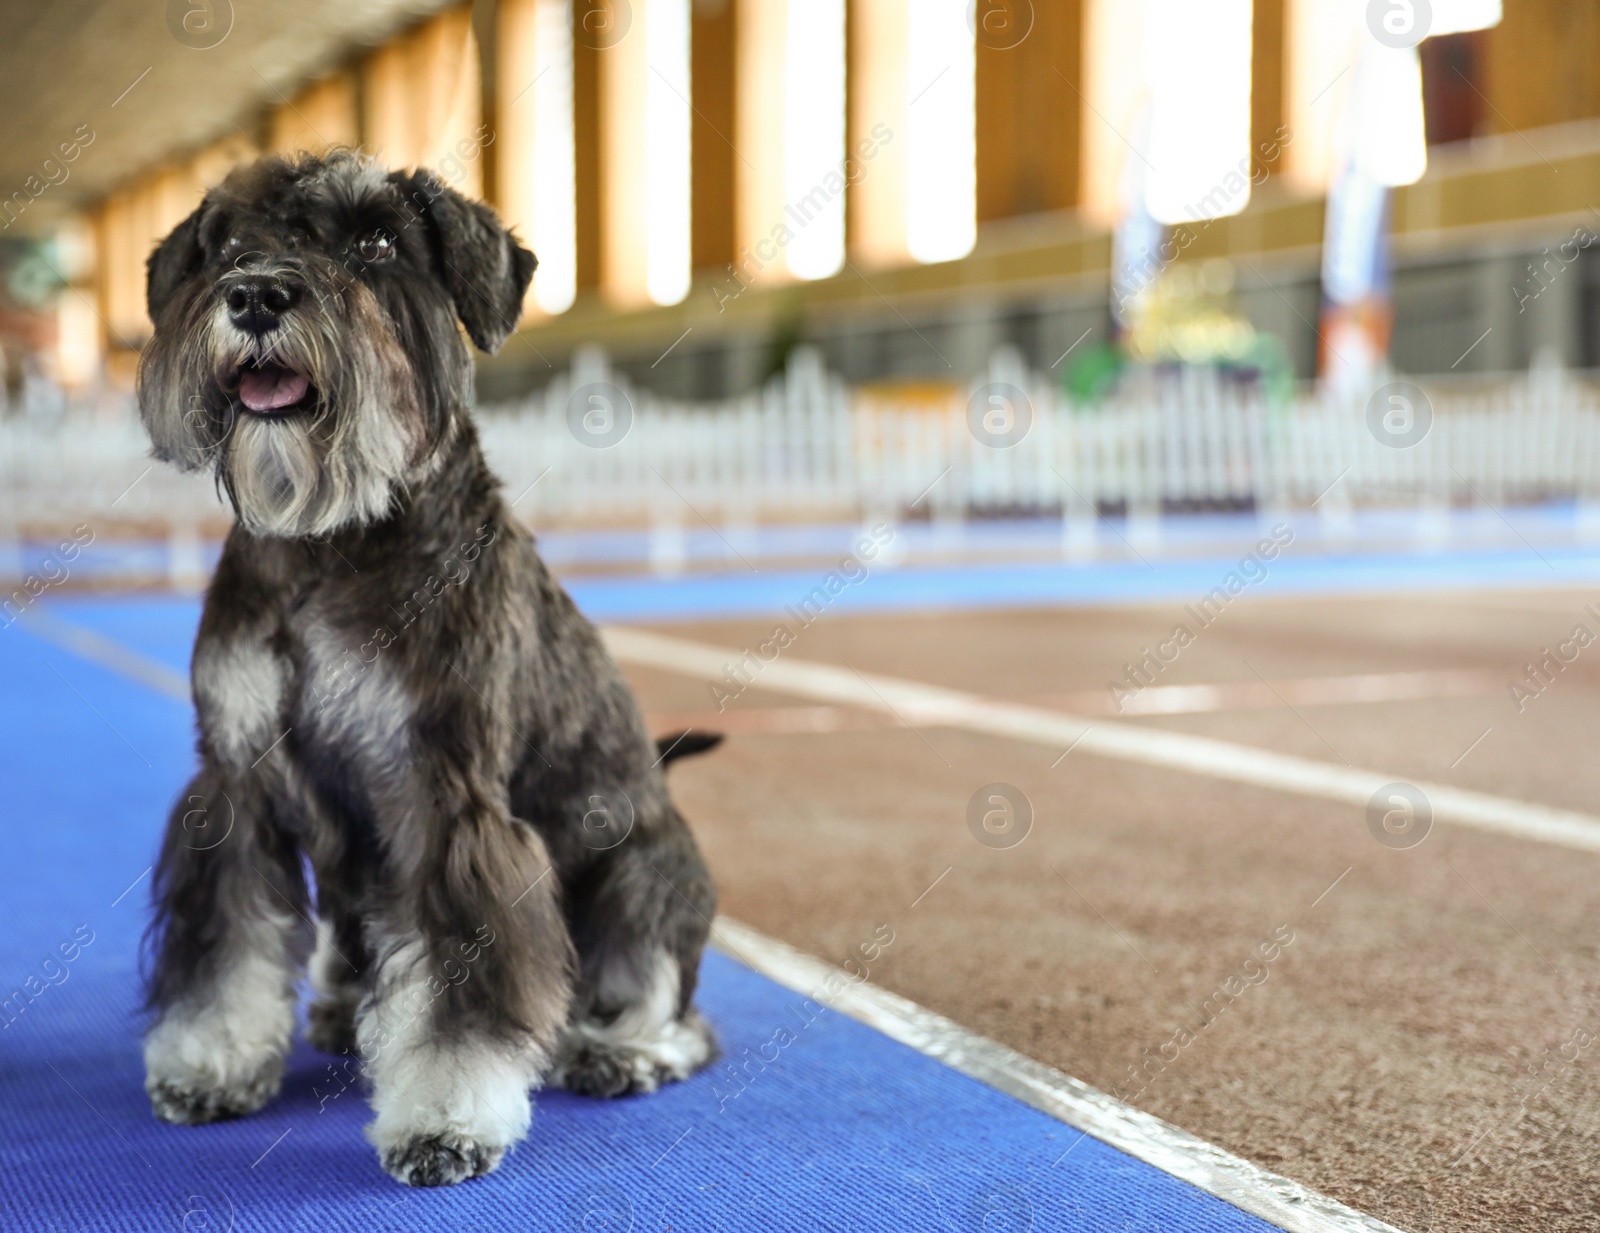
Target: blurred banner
1380, 144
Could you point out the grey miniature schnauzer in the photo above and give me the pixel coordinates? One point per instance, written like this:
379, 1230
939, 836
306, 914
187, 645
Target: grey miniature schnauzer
406, 729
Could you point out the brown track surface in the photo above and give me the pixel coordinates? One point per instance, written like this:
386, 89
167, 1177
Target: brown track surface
1391, 1057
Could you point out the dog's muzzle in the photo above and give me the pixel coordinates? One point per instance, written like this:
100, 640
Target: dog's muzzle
257, 305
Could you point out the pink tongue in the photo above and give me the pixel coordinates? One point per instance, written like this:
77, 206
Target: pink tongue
267, 389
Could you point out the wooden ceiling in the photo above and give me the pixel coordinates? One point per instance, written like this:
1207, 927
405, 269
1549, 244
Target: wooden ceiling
152, 78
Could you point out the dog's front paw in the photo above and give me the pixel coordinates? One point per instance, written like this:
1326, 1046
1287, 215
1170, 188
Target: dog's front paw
445, 1113
440, 1159
191, 1101
207, 1066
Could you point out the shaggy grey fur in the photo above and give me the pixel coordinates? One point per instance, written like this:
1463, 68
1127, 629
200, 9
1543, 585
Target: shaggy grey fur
390, 684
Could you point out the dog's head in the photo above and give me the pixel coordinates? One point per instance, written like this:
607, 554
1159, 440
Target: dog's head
306, 343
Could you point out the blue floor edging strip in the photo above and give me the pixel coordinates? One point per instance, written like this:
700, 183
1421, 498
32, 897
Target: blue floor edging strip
779, 595
162, 626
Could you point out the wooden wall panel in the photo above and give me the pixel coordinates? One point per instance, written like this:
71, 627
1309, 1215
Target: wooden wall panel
713, 35
1030, 73
624, 163
321, 116
877, 100
586, 126
759, 189
1542, 64
422, 103
1267, 80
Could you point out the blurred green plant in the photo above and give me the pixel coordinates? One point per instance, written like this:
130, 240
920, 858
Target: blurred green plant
31, 272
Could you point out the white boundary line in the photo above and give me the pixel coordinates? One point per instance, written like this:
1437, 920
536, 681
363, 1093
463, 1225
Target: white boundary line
1199, 755
108, 653
1277, 1200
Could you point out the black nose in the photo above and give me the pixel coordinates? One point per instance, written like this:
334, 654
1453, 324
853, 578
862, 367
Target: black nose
256, 304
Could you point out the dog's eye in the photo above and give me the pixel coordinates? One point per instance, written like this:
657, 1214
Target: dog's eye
376, 245
232, 249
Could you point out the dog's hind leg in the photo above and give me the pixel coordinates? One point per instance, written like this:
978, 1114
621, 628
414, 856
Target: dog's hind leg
338, 966
640, 921
228, 941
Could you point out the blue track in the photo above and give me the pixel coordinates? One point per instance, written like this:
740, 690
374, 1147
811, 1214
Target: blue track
845, 1130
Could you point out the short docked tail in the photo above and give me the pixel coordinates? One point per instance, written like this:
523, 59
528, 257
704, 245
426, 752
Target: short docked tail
686, 745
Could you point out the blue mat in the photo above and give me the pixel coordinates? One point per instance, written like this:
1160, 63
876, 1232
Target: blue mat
842, 1129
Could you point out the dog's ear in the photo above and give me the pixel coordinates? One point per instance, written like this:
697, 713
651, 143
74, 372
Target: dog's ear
175, 259
485, 268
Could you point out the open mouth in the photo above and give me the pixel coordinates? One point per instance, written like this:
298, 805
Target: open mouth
272, 389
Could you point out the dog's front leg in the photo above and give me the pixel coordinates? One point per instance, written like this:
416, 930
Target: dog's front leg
472, 989
230, 935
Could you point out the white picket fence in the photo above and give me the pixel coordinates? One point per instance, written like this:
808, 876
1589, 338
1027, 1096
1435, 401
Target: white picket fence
807, 442
592, 448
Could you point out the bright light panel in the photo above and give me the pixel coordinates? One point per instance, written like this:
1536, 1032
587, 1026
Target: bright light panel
1113, 106
1391, 143
555, 202
941, 144
1197, 61
667, 117
1322, 41
814, 136
1454, 16
77, 338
